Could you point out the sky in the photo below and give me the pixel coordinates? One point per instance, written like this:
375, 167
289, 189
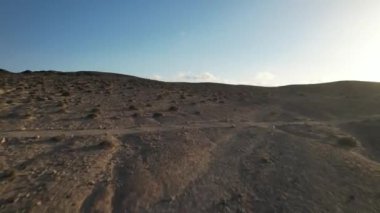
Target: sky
255, 42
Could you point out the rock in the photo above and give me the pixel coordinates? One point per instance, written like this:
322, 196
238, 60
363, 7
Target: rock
3, 140
39, 203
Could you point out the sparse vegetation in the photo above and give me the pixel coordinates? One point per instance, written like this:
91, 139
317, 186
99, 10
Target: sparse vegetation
347, 142
92, 115
6, 174
173, 108
301, 94
136, 114
28, 116
65, 93
57, 138
157, 115
95, 110
107, 144
132, 107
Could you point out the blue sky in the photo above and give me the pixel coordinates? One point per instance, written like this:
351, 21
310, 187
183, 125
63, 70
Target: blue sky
271, 42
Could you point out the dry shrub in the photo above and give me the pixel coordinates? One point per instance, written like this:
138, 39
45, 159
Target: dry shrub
7, 174
65, 93
92, 115
106, 144
132, 107
157, 115
173, 108
347, 142
136, 115
58, 138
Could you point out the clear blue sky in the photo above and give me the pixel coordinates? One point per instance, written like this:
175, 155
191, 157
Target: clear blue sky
269, 42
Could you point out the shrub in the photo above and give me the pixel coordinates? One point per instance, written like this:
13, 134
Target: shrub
347, 142
136, 115
106, 144
65, 93
58, 138
132, 107
92, 115
173, 108
6, 174
95, 110
157, 114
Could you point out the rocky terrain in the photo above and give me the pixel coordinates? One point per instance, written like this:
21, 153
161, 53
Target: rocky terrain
101, 142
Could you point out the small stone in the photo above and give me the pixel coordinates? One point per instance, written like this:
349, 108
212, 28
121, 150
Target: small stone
39, 203
3, 140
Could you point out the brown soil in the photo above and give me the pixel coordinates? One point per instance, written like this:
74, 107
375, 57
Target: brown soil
98, 142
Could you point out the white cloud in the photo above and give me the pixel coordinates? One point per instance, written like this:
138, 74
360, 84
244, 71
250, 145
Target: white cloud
156, 77
201, 77
259, 79
264, 79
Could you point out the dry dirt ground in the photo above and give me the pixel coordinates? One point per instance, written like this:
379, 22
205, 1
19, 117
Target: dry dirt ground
97, 142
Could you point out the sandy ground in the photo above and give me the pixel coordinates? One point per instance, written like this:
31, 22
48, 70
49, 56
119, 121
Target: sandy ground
97, 142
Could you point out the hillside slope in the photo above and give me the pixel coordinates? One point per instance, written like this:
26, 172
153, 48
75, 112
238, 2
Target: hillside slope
100, 142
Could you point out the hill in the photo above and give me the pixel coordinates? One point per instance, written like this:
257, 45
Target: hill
101, 142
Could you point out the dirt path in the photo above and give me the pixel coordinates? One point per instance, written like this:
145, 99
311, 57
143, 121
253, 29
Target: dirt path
142, 129
165, 128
